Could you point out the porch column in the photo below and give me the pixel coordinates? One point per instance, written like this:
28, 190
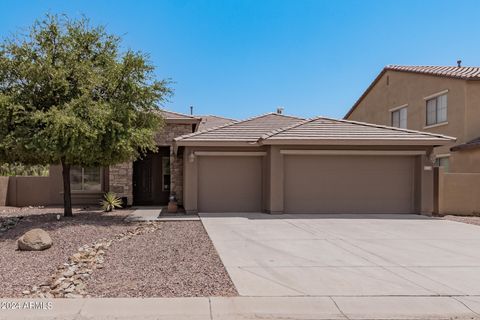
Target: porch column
276, 177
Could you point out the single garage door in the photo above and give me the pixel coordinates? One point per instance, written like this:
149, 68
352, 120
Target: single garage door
230, 184
349, 184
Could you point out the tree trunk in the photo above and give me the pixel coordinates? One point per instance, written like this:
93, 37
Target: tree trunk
67, 195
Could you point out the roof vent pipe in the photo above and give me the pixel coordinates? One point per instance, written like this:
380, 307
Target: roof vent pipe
191, 110
280, 110
459, 63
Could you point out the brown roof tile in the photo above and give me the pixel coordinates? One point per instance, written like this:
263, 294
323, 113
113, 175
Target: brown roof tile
249, 130
171, 115
472, 144
275, 129
323, 128
209, 121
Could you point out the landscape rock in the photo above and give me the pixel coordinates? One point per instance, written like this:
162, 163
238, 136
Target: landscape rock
35, 240
69, 281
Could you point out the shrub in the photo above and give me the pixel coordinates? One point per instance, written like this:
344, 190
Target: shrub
110, 202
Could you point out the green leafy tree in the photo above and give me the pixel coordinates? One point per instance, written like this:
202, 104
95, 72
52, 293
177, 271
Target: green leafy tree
70, 96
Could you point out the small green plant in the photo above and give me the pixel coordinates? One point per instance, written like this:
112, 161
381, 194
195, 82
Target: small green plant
110, 202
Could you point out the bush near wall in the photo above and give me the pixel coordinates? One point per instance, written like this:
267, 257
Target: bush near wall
14, 169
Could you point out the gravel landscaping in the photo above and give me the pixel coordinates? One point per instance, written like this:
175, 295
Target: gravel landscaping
176, 260
465, 219
6, 212
19, 270
155, 259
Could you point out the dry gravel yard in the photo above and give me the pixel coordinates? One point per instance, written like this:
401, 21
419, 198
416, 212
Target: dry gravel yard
19, 270
177, 259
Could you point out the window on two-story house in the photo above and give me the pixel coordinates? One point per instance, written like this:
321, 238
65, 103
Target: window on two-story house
86, 179
437, 110
399, 117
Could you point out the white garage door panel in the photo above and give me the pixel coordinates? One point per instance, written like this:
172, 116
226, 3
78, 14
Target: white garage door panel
349, 184
230, 184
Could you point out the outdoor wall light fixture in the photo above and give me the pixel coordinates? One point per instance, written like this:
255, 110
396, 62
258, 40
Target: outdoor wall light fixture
191, 157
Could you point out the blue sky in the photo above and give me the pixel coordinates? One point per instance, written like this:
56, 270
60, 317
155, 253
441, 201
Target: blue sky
246, 57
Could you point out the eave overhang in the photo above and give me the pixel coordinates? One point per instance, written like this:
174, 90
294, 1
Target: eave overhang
361, 142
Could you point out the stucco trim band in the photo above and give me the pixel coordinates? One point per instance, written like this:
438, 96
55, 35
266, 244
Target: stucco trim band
355, 141
353, 152
434, 95
398, 108
231, 153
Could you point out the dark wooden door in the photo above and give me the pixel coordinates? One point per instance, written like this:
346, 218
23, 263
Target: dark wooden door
151, 181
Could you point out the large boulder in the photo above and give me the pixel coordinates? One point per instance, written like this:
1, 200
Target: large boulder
34, 240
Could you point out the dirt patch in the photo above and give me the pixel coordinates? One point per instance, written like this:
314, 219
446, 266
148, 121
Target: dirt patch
465, 219
176, 260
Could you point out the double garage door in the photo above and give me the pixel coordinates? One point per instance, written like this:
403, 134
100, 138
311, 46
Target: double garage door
312, 184
349, 184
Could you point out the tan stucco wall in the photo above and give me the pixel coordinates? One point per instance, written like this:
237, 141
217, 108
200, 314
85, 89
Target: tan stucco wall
273, 176
459, 193
466, 161
3, 190
463, 113
472, 115
26, 191
32, 191
40, 191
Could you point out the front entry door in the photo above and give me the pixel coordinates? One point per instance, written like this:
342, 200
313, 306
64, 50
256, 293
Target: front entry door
151, 178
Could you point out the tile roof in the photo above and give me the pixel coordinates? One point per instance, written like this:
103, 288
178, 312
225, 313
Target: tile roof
209, 121
466, 73
463, 73
170, 115
322, 128
472, 144
249, 130
275, 129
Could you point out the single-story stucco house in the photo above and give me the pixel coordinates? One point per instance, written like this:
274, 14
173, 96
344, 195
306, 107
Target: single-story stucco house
270, 163
280, 164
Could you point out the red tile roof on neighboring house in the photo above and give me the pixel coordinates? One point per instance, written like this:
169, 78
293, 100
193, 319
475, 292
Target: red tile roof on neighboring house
248, 130
209, 121
455, 72
466, 73
472, 144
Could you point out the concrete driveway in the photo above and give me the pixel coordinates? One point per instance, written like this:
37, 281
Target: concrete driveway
347, 255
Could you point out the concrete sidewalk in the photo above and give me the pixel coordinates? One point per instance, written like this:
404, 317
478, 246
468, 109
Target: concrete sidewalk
420, 307
148, 213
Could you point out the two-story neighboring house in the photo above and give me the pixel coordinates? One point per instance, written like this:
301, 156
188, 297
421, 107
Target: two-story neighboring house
437, 99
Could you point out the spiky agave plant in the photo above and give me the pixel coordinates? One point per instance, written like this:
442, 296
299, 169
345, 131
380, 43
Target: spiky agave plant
110, 202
